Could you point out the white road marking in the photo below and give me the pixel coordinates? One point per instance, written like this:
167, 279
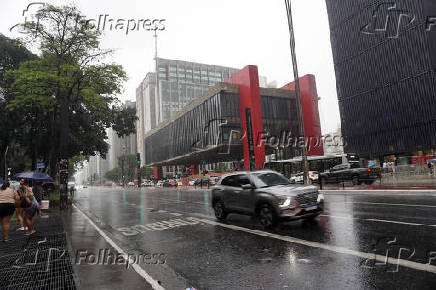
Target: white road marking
404, 192
386, 203
377, 220
157, 226
341, 250
136, 267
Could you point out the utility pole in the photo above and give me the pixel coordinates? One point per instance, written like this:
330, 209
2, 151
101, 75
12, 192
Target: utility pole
157, 77
297, 92
122, 163
138, 167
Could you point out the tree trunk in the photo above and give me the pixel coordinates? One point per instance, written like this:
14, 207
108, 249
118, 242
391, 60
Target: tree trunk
64, 128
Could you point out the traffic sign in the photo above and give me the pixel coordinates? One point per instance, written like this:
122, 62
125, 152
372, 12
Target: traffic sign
40, 165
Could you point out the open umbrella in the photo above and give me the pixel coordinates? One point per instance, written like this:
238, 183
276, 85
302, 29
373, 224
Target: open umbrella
431, 160
34, 176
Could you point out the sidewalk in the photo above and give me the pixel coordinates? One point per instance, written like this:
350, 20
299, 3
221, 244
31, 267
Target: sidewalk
90, 263
40, 261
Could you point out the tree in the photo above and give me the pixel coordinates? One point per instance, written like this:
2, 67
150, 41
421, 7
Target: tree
68, 97
114, 175
147, 172
12, 53
127, 163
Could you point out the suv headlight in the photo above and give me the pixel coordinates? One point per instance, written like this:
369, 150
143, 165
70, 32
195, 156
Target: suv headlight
320, 197
285, 202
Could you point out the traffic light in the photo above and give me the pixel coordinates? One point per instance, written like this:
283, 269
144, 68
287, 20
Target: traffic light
138, 163
138, 160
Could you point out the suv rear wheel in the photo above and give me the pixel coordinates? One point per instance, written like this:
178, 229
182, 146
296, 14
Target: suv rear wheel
220, 212
267, 216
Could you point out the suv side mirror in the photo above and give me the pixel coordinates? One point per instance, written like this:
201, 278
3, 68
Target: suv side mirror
247, 186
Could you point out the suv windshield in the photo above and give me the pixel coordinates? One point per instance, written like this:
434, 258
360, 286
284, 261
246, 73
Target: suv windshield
270, 179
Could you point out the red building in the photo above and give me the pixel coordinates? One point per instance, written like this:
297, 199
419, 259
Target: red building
251, 110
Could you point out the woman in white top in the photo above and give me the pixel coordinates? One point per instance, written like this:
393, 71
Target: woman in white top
8, 197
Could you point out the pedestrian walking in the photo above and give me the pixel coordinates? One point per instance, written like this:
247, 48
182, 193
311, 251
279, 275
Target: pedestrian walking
31, 206
20, 206
430, 168
385, 167
8, 198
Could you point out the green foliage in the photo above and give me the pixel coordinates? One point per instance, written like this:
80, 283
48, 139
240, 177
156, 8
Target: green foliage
124, 121
64, 101
147, 172
127, 163
114, 175
222, 167
12, 53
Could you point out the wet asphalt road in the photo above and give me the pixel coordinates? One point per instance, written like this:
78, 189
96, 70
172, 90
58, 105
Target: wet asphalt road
337, 251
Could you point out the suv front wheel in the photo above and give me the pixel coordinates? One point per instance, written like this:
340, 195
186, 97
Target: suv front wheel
267, 216
220, 212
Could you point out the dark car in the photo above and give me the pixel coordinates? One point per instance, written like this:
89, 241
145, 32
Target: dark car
350, 172
266, 194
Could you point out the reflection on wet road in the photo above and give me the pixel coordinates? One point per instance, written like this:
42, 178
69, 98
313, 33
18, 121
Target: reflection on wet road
346, 247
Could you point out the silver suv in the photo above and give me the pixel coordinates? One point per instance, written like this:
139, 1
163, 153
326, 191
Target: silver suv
266, 194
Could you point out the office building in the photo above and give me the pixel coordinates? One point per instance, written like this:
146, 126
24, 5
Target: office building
385, 61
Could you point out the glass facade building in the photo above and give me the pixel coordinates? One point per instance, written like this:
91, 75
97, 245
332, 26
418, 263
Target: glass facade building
180, 83
209, 129
384, 57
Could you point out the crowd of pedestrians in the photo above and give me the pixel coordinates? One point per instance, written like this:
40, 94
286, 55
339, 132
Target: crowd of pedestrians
25, 202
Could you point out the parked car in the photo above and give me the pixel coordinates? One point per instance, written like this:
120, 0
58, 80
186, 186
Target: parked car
266, 194
213, 180
346, 172
147, 183
173, 182
298, 178
131, 183
159, 183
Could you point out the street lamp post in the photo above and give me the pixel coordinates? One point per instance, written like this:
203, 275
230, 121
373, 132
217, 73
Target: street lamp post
6, 164
297, 91
122, 164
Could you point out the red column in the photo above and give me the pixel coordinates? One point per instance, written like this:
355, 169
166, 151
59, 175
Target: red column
312, 124
247, 80
158, 173
194, 169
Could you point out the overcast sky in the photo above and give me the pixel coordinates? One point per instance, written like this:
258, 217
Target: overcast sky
226, 32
